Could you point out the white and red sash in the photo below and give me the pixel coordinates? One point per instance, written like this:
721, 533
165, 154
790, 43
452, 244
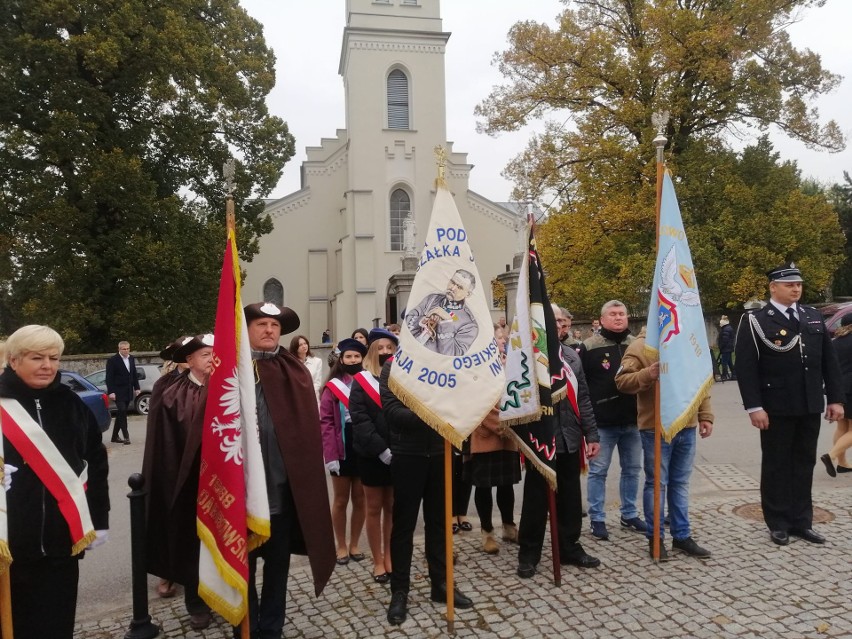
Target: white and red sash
50, 466
370, 385
339, 389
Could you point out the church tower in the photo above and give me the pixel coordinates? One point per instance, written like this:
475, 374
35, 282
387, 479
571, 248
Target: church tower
392, 63
335, 255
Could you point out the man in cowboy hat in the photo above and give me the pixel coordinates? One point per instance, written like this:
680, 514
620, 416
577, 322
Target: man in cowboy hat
291, 447
784, 357
171, 467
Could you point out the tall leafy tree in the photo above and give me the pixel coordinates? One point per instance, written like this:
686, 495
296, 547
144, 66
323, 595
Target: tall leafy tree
115, 120
717, 66
841, 196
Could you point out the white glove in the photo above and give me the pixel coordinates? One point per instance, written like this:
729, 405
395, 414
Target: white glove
386, 456
101, 537
333, 467
8, 469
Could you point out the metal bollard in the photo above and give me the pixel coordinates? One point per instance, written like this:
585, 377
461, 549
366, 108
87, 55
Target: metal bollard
141, 626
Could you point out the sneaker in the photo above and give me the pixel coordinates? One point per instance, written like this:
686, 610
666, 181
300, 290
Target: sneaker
634, 523
664, 555
599, 530
689, 547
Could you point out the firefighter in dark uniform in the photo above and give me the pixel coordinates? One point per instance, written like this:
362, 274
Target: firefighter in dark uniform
784, 358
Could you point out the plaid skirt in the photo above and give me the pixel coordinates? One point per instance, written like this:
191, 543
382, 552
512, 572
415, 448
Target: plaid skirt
498, 468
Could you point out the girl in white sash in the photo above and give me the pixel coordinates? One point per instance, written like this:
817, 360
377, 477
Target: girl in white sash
337, 445
57, 498
372, 445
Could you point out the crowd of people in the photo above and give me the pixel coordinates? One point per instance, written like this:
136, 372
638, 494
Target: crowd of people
386, 465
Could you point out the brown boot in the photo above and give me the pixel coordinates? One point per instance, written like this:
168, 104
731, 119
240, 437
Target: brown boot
489, 544
510, 533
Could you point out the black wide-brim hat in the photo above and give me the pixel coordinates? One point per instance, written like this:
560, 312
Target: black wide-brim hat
169, 351
286, 317
190, 345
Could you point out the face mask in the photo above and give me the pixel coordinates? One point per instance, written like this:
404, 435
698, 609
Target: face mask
351, 369
384, 357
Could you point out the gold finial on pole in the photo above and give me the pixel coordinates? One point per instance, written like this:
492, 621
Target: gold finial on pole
228, 172
441, 161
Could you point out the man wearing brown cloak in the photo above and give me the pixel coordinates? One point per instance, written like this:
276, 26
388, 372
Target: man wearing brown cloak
291, 447
171, 468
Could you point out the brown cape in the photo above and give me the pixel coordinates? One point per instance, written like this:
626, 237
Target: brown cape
171, 467
289, 393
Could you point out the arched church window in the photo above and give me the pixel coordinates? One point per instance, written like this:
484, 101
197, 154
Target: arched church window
273, 291
400, 208
398, 100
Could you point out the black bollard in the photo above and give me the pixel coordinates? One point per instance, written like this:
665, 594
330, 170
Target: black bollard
141, 626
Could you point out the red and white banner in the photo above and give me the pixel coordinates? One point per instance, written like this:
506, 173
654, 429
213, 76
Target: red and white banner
233, 509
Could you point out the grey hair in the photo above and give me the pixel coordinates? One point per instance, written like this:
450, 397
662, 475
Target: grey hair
611, 304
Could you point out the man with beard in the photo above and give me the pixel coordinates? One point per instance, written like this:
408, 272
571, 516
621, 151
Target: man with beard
442, 322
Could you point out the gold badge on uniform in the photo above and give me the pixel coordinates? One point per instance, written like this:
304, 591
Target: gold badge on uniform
783, 332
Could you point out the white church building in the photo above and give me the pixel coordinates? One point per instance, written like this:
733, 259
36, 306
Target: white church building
343, 250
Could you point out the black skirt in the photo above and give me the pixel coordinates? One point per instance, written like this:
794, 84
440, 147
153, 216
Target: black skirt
374, 472
497, 468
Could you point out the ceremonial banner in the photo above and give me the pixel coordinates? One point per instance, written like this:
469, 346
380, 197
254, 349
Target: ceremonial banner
233, 510
537, 377
678, 336
5, 553
446, 368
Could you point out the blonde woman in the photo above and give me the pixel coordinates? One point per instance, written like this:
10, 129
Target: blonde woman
372, 445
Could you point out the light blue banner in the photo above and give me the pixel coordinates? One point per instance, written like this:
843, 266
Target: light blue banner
676, 328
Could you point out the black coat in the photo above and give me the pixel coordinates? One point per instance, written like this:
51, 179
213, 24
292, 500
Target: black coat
119, 380
369, 427
409, 435
784, 380
601, 357
843, 349
726, 339
37, 528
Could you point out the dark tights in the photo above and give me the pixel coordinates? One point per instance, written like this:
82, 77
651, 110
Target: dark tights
484, 504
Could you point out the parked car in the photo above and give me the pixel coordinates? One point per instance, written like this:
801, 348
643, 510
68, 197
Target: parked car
92, 396
147, 374
833, 313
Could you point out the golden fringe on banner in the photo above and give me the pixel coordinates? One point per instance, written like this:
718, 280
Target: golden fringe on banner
233, 615
5, 557
523, 419
444, 429
687, 417
546, 471
556, 397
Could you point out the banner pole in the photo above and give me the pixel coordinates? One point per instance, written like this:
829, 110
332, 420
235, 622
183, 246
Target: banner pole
448, 532
554, 537
659, 143
5, 605
245, 632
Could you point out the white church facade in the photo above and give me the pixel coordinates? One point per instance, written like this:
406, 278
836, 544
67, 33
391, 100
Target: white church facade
336, 253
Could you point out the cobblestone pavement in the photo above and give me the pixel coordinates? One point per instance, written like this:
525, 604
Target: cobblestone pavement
750, 588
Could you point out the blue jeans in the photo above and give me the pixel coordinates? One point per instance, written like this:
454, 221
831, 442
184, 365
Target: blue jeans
675, 469
626, 438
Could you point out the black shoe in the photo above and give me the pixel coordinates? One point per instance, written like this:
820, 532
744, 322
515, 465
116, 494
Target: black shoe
664, 554
526, 571
689, 547
126, 442
581, 559
843, 469
808, 534
829, 465
116, 441
779, 537
398, 609
439, 594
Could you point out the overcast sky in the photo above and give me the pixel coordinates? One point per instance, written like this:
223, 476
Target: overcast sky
306, 37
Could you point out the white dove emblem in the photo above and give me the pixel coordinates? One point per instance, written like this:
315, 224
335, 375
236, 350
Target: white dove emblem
669, 285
